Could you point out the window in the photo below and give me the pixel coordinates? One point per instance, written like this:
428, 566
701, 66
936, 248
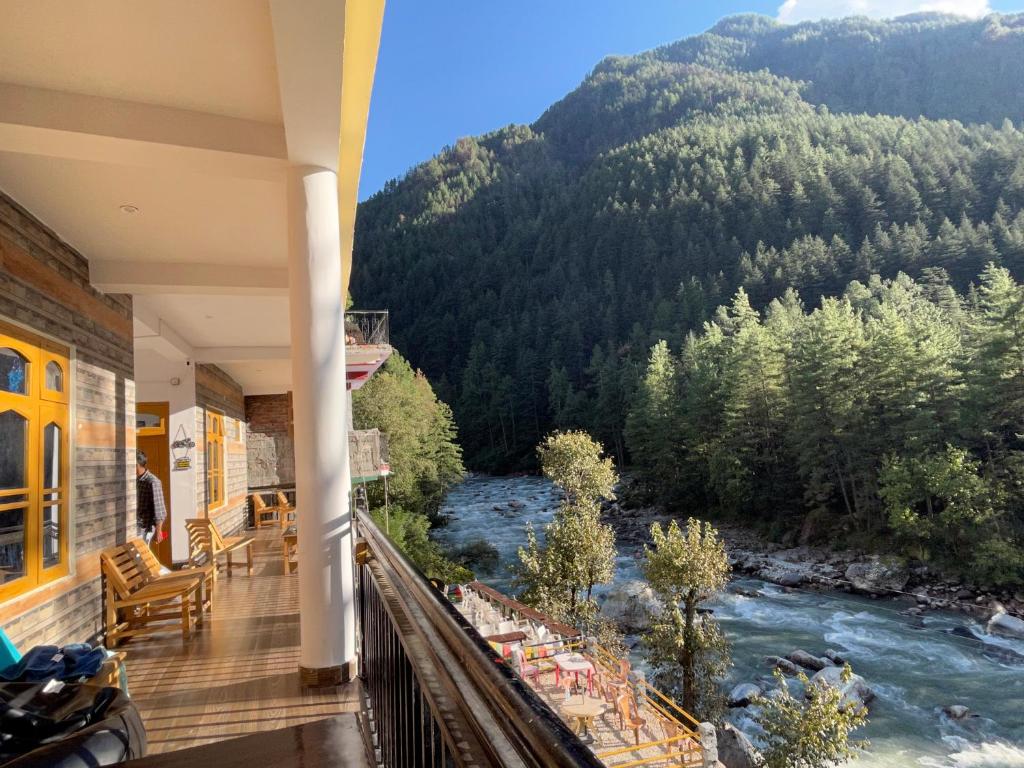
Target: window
33, 461
214, 460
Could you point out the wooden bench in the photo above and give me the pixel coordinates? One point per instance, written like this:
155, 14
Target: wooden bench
263, 514
139, 603
206, 544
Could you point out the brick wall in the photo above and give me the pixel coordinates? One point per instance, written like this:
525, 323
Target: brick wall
216, 390
44, 286
271, 450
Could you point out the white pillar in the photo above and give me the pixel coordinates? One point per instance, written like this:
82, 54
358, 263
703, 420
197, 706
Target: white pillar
325, 536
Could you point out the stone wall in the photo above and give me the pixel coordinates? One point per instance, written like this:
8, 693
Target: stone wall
271, 449
44, 286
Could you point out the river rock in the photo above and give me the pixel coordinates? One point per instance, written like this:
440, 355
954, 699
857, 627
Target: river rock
855, 691
804, 659
743, 695
834, 656
735, 749
790, 579
1005, 624
631, 604
786, 666
877, 574
957, 712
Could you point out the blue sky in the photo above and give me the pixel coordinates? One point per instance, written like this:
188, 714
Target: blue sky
452, 68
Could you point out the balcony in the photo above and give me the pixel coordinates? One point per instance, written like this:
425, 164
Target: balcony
431, 691
367, 344
368, 455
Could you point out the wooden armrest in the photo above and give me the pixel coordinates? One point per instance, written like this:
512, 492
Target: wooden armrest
232, 544
158, 593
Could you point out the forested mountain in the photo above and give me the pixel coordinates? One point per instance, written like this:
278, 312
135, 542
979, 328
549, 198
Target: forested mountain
529, 271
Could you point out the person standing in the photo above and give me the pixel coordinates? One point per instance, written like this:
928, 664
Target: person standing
150, 510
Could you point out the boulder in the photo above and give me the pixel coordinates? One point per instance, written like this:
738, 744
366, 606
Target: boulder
743, 695
790, 579
957, 712
708, 736
878, 574
1005, 624
855, 692
786, 666
735, 749
834, 657
631, 604
806, 660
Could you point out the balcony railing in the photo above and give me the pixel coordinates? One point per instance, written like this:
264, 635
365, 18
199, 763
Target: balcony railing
367, 328
435, 693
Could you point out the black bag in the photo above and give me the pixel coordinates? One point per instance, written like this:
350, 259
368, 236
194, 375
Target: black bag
46, 729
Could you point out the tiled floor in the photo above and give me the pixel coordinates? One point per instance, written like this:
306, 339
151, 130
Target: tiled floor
238, 675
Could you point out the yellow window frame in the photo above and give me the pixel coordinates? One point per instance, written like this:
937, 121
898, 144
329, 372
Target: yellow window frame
39, 406
215, 495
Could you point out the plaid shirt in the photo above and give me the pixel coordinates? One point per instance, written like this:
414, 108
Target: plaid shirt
151, 511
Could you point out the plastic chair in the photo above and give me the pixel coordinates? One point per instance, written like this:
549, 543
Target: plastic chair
629, 717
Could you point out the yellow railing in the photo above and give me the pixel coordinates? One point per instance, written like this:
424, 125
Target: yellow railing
672, 718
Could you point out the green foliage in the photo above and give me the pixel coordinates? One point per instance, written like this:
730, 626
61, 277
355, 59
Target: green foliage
578, 552
410, 532
809, 733
893, 410
425, 461
573, 461
425, 458
687, 651
478, 555
534, 267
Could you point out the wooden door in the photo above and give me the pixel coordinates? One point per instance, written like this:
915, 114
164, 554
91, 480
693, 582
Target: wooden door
153, 437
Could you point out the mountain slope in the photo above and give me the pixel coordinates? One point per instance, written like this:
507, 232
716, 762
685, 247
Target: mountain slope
528, 271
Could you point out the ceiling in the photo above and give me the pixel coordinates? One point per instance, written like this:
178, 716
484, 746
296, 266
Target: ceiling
182, 217
214, 56
188, 112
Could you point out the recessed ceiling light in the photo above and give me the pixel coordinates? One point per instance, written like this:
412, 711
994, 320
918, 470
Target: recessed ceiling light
129, 208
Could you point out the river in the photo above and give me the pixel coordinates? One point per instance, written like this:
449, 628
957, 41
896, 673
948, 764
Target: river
914, 671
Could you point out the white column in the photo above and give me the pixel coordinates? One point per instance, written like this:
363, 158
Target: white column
325, 536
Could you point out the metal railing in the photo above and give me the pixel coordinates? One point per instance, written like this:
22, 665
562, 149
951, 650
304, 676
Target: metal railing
367, 328
435, 693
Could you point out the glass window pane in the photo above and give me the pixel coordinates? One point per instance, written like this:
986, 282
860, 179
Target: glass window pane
51, 460
13, 450
143, 420
54, 377
12, 544
13, 371
51, 535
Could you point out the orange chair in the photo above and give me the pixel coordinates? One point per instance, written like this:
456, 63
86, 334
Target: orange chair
628, 715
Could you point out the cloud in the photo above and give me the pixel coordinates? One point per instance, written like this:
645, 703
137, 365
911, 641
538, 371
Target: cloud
793, 11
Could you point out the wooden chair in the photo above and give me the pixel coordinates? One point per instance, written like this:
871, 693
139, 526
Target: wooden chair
285, 510
206, 545
155, 575
628, 715
263, 514
137, 604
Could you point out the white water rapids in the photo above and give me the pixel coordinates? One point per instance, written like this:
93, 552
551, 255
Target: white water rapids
914, 671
